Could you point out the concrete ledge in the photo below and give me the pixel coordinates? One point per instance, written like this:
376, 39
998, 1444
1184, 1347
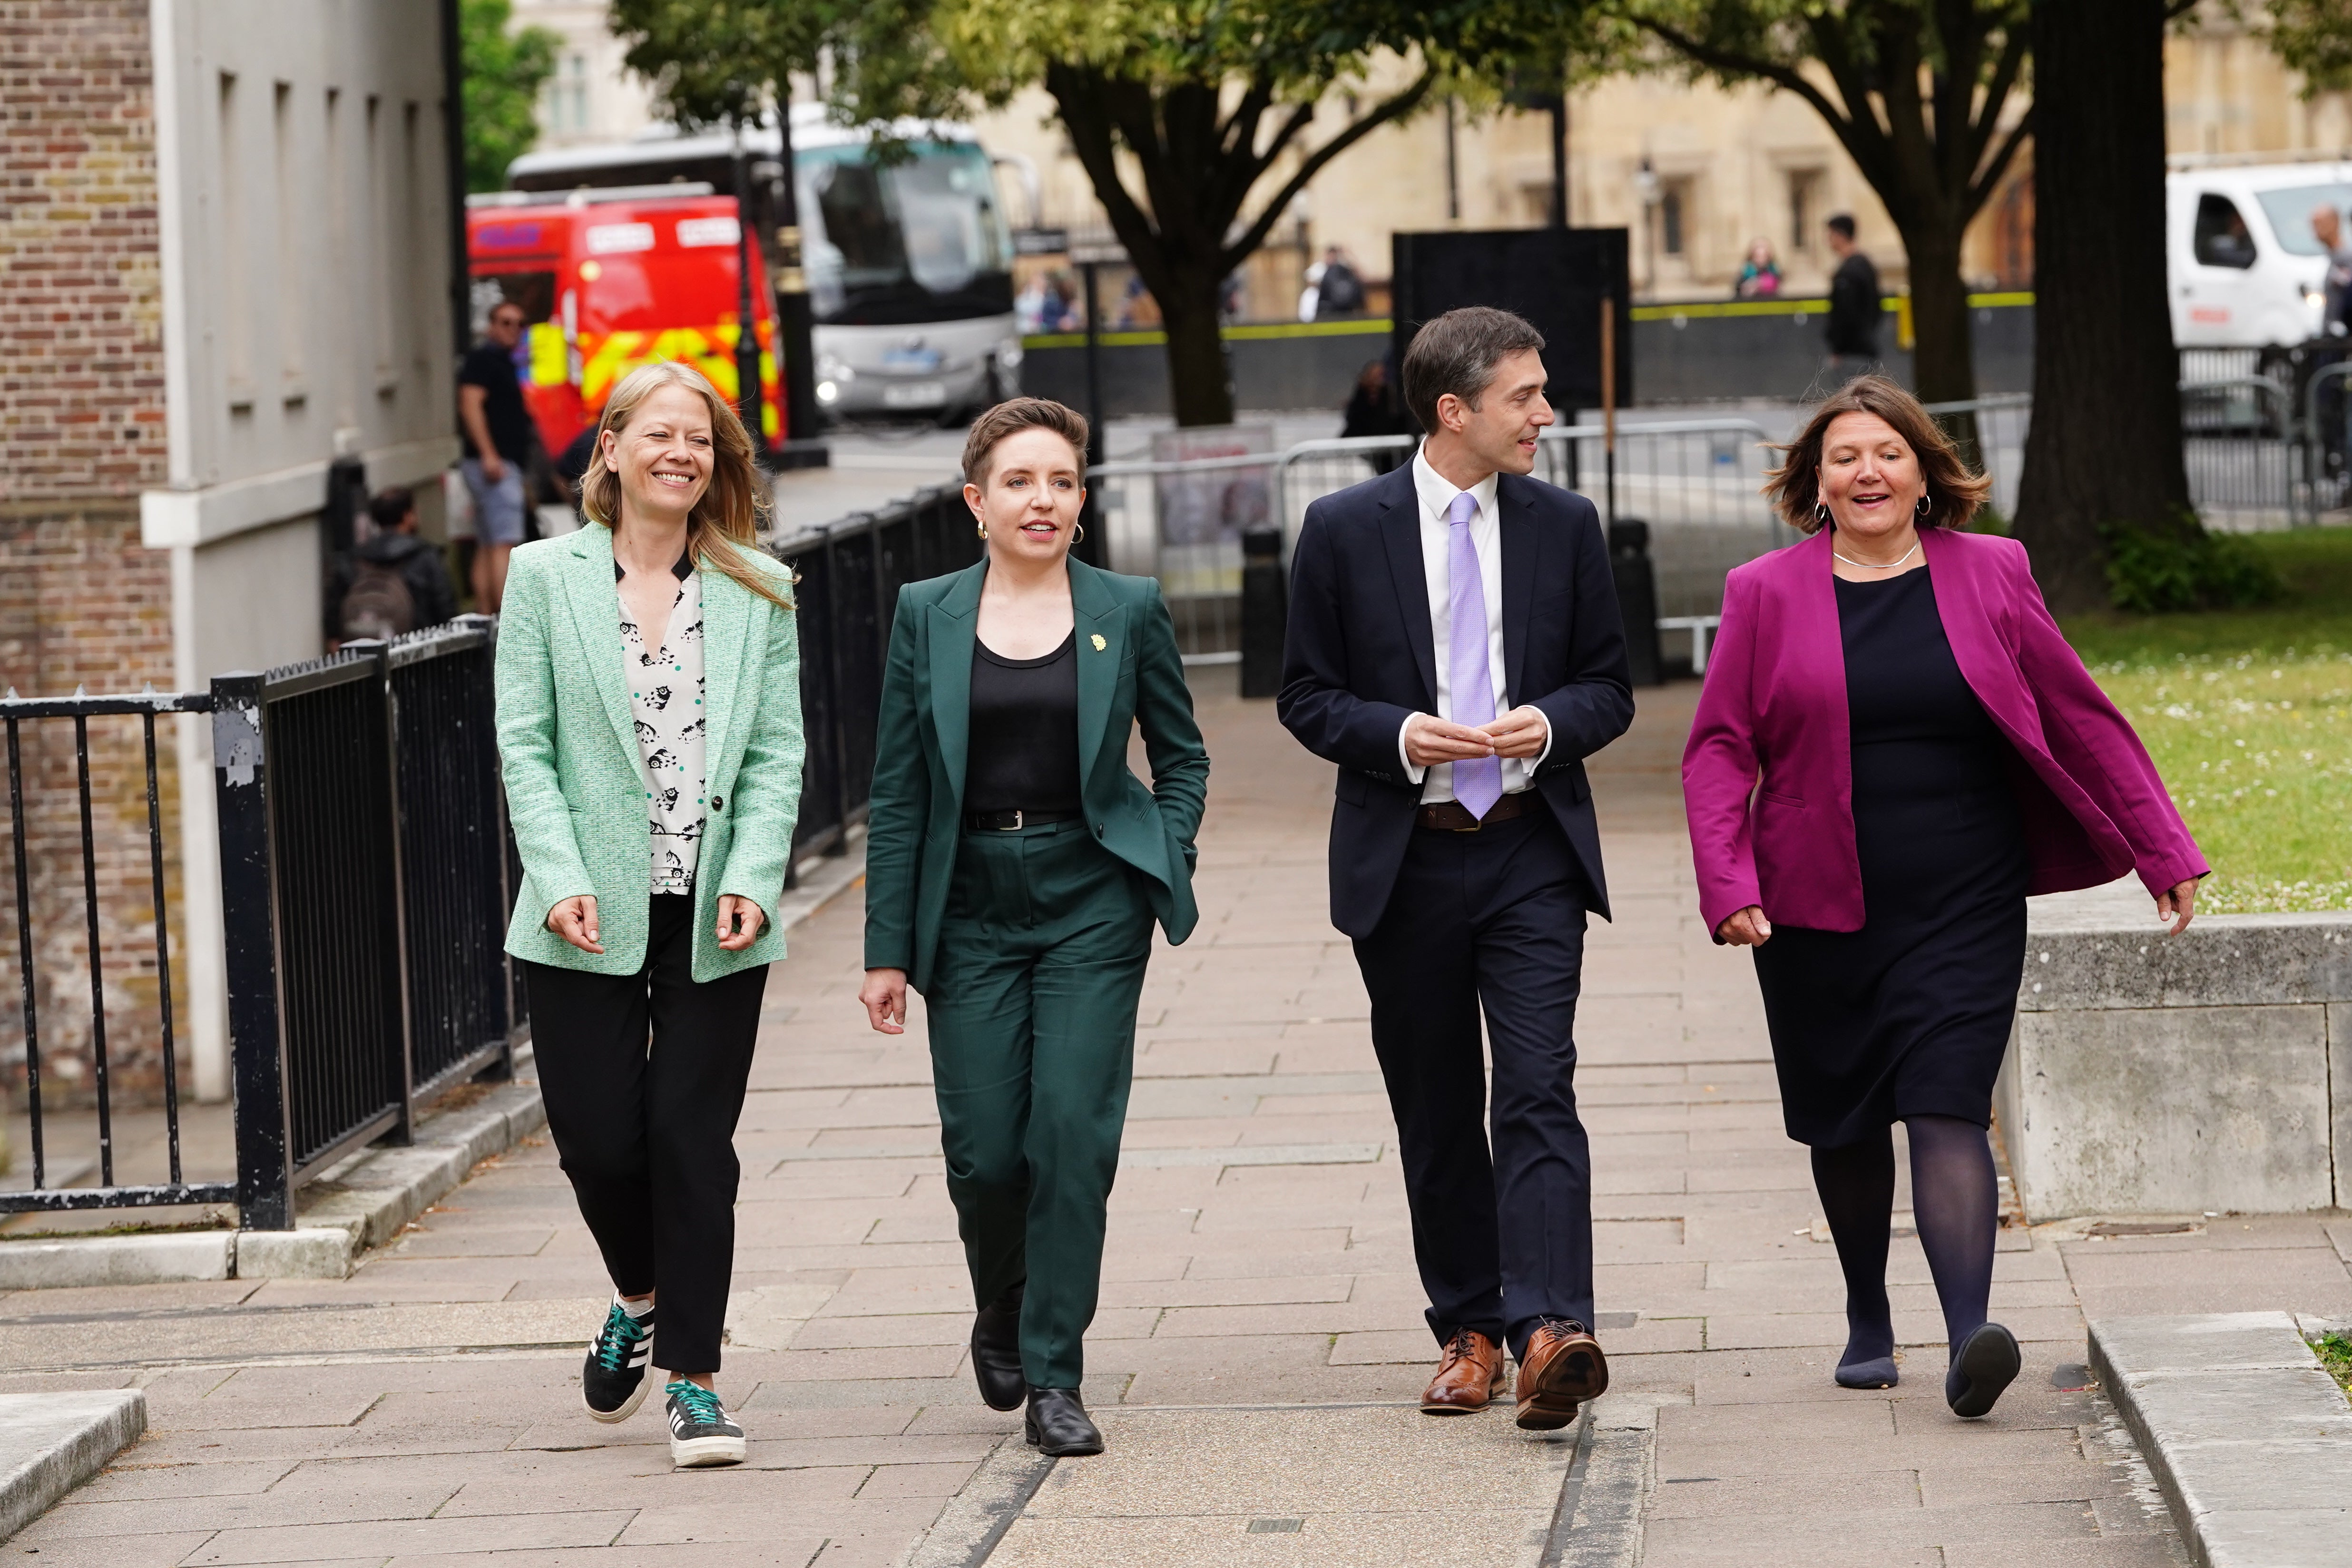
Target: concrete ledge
2209, 1072
364, 1202
51, 1443
31, 1264
2250, 1440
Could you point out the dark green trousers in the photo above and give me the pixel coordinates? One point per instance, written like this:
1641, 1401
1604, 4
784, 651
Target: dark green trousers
1032, 1008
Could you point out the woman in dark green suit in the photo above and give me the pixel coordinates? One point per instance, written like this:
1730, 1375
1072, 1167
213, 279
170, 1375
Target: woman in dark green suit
1014, 869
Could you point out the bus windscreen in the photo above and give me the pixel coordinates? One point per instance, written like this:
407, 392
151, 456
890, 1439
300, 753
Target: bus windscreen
889, 243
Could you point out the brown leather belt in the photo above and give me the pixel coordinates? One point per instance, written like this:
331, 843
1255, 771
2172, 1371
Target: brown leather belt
1452, 816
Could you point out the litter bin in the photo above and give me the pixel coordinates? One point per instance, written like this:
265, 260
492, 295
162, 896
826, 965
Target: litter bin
1266, 612
1637, 598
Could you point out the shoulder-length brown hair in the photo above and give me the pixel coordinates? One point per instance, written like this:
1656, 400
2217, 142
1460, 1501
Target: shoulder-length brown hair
722, 533
1954, 494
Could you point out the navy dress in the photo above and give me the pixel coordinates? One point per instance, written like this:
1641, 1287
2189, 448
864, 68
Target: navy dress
1910, 1014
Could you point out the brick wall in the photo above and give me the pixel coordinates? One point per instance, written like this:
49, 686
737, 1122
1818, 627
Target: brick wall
82, 603
82, 312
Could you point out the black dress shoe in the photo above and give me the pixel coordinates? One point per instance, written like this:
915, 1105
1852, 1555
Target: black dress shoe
1058, 1424
1986, 1365
996, 1352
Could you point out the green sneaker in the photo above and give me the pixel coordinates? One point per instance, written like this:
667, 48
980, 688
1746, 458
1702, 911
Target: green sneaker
700, 1432
613, 1382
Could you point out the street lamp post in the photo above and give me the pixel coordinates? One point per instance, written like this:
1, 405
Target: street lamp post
795, 351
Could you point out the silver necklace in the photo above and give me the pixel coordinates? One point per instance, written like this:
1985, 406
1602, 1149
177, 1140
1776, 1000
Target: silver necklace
1877, 566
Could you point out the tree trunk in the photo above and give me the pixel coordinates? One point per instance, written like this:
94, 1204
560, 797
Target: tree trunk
1199, 382
1943, 353
2105, 443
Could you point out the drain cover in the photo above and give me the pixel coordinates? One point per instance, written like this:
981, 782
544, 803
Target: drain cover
1276, 1526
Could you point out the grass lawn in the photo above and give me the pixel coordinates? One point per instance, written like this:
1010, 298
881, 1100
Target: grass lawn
2248, 714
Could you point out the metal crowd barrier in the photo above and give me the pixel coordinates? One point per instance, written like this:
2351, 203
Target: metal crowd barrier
850, 572
81, 709
1695, 482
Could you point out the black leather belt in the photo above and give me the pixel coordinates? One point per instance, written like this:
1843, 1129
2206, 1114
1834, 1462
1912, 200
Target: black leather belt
1452, 816
1013, 821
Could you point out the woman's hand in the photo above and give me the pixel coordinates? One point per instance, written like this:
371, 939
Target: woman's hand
884, 995
2177, 905
574, 919
740, 920
1748, 928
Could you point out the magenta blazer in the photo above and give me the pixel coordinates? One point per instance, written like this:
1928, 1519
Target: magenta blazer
1767, 774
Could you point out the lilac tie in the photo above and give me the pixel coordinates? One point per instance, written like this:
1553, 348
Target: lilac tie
1477, 782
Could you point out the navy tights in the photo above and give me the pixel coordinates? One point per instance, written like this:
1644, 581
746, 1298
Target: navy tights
1955, 1198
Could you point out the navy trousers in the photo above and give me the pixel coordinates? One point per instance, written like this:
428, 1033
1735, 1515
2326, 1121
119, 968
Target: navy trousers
1489, 921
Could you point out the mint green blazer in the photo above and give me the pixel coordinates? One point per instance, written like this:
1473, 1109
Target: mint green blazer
568, 747
1130, 674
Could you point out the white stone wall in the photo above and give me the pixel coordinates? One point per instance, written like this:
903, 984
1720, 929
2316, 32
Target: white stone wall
302, 182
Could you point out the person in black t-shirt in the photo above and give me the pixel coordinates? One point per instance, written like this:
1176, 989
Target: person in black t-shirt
1854, 307
498, 432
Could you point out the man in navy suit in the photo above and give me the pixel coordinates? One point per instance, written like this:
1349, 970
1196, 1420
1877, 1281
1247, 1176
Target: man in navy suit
1455, 647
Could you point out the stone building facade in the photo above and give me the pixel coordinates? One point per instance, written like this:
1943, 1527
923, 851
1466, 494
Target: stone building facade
223, 263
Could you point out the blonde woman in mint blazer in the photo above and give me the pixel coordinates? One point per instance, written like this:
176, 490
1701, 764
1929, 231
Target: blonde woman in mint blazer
649, 725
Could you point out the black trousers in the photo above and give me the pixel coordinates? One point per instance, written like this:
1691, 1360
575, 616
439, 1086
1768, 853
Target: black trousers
1490, 921
647, 1133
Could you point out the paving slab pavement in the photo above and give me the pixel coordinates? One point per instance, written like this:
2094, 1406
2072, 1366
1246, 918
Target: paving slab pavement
425, 1409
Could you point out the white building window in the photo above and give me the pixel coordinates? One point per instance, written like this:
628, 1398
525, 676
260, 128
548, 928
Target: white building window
566, 96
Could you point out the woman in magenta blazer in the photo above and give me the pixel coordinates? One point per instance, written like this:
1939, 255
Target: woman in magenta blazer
1894, 747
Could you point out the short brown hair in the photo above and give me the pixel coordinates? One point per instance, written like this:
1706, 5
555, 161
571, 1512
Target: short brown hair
1014, 415
1954, 494
1458, 352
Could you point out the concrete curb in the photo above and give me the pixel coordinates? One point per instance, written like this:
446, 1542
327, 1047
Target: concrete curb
51, 1443
364, 1202
2250, 1440
967, 1530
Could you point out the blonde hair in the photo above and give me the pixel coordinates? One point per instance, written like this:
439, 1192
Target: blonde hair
722, 531
1954, 493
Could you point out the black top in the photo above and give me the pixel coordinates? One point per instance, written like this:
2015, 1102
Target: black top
1918, 730
491, 368
1024, 731
1854, 307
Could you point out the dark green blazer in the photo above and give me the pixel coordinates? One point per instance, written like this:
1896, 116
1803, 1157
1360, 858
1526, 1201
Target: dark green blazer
1129, 673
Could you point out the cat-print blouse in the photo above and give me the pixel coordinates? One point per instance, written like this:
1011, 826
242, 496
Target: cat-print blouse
666, 694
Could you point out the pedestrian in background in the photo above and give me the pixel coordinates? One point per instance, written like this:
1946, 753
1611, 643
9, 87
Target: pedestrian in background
1014, 869
1895, 746
1759, 275
394, 581
649, 725
1855, 303
1372, 410
497, 434
1465, 855
1340, 292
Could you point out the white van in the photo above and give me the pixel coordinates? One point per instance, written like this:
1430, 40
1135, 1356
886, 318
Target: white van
2245, 270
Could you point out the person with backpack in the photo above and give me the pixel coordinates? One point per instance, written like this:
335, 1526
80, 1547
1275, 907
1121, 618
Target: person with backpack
1340, 292
392, 582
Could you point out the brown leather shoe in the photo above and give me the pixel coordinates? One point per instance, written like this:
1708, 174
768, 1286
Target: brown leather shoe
1562, 1369
1468, 1377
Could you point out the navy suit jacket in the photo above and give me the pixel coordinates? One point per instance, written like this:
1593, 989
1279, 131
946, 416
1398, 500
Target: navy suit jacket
1360, 657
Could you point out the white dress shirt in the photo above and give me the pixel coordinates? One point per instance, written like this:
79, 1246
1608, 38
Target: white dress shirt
1435, 494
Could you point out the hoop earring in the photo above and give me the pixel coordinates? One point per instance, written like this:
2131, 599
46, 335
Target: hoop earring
981, 527
1923, 508
1821, 517
1078, 535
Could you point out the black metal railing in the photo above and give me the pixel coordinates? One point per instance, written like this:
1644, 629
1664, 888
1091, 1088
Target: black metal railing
81, 709
453, 853
850, 574
363, 873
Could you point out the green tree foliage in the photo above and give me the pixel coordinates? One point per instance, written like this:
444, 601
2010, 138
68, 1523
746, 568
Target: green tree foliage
1198, 122
1914, 90
2314, 36
504, 71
